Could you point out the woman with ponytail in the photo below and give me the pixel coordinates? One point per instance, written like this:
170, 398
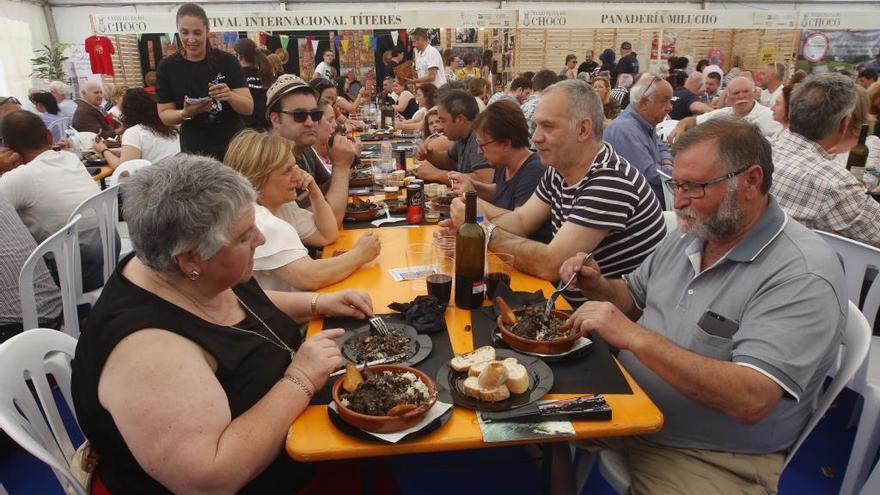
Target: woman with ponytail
259, 75
202, 89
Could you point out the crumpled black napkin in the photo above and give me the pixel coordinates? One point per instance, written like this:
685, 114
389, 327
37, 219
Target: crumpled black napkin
424, 313
514, 299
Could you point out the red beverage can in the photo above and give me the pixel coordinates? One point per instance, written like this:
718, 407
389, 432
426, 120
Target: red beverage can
415, 203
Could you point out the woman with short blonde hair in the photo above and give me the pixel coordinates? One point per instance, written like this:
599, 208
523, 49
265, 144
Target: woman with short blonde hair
283, 263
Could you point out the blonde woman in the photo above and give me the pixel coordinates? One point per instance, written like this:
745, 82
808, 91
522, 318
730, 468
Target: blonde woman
611, 108
283, 263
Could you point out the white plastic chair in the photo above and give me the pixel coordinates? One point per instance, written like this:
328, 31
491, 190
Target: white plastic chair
668, 196
26, 359
64, 245
857, 258
855, 343
105, 204
126, 169
665, 128
872, 485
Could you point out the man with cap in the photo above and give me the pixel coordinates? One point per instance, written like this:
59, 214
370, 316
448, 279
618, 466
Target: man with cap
427, 60
292, 110
628, 63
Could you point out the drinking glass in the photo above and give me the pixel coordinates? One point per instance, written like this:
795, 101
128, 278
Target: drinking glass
444, 244
419, 258
439, 280
499, 266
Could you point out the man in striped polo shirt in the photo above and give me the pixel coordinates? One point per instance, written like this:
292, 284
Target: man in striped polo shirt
595, 200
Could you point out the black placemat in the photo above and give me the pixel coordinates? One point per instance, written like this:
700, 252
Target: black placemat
596, 372
441, 352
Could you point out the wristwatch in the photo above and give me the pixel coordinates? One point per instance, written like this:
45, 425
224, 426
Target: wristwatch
490, 227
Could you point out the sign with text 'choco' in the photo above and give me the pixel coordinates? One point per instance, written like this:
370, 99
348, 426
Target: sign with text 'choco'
656, 19
299, 20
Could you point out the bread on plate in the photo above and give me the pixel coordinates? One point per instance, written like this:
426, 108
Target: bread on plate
463, 362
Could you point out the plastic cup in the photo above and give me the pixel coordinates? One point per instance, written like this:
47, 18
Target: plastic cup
439, 281
419, 260
499, 266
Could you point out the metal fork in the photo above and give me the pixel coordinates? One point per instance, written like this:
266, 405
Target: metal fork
555, 295
379, 324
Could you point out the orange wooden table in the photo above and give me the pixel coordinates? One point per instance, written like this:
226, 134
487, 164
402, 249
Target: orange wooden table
312, 437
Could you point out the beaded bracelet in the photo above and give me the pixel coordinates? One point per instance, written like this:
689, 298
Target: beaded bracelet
314, 304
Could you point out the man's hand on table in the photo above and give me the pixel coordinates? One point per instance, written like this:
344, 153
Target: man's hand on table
456, 212
317, 357
367, 247
349, 302
8, 160
605, 319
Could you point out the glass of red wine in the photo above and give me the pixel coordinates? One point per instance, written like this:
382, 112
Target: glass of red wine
439, 280
499, 266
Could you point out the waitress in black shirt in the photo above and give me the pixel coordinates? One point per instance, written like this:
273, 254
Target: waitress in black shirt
202, 88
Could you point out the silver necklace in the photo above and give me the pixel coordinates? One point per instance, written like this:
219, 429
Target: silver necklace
277, 342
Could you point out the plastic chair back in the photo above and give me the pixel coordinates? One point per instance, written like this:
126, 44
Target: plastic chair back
126, 169
59, 128
31, 418
857, 258
671, 220
668, 196
64, 245
856, 343
105, 204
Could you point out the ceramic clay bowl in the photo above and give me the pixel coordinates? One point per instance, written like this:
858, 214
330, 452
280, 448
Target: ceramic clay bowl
557, 346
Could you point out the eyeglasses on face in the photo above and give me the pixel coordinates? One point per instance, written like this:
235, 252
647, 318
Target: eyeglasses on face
697, 190
300, 116
482, 146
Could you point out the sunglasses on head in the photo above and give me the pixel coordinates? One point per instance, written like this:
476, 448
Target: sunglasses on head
300, 116
10, 98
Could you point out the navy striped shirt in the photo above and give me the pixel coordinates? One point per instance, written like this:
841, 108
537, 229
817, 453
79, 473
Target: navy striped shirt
613, 195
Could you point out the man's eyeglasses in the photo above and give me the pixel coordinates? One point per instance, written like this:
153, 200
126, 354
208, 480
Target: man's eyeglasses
8, 99
650, 85
482, 146
300, 116
697, 190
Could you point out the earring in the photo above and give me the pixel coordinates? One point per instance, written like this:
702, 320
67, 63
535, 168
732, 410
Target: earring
193, 275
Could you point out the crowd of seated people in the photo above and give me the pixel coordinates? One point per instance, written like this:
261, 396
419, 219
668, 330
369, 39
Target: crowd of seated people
192, 365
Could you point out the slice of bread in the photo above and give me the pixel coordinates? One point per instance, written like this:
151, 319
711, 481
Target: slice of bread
478, 368
465, 361
517, 376
494, 375
473, 389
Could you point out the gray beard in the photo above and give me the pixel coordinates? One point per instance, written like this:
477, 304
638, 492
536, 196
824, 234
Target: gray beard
726, 221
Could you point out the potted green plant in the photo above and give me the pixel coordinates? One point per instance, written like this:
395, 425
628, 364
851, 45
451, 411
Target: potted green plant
49, 63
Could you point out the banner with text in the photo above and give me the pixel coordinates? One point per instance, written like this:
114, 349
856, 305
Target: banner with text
657, 19
298, 20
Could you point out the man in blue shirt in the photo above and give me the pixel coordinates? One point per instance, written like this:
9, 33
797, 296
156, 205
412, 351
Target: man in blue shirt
632, 134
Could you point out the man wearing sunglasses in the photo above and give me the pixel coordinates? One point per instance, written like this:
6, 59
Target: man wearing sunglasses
9, 159
730, 326
292, 111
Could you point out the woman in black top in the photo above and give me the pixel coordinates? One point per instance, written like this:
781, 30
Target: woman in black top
407, 105
259, 75
188, 375
202, 88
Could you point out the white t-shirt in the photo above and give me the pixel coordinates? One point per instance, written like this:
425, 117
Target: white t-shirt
301, 219
282, 246
324, 70
46, 190
428, 59
760, 115
152, 146
768, 98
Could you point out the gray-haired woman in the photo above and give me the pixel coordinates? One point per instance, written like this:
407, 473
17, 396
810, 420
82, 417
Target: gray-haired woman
188, 375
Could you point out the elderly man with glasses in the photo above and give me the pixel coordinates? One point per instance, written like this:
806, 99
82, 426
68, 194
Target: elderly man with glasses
292, 110
632, 132
730, 325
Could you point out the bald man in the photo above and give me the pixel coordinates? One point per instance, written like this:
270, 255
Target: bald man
740, 103
88, 116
